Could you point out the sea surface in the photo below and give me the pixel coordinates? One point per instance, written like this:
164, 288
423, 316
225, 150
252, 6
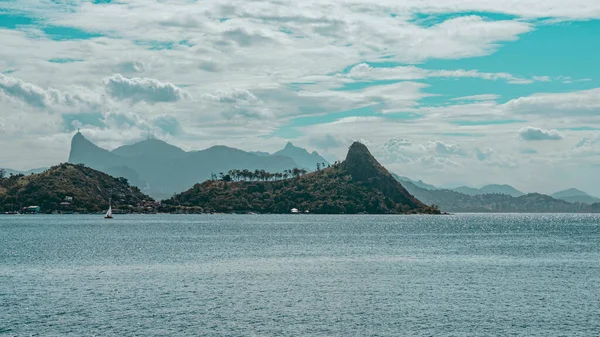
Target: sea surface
300, 275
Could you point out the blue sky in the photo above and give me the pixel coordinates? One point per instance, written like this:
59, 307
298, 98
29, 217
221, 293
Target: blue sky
451, 92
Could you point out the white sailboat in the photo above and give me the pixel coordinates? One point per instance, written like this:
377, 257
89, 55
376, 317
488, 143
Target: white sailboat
109, 212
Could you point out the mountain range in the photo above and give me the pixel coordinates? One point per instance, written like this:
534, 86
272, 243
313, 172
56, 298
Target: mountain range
453, 201
161, 169
571, 195
357, 185
9, 172
574, 195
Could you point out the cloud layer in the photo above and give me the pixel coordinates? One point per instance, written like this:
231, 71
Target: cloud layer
422, 81
533, 133
138, 89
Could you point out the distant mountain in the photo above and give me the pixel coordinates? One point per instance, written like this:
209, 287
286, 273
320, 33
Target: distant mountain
85, 152
501, 189
419, 183
358, 185
466, 190
26, 173
574, 195
161, 169
88, 189
302, 156
151, 147
453, 201
489, 189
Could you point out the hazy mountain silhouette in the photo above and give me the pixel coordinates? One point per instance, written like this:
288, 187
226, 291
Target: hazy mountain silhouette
161, 169
489, 189
453, 201
466, 190
26, 173
301, 156
419, 183
150, 147
575, 195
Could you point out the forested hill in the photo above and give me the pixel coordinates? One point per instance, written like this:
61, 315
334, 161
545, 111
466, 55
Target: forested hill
68, 188
357, 185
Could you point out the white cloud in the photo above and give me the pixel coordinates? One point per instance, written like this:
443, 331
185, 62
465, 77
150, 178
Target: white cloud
442, 148
588, 146
491, 158
533, 133
142, 89
363, 71
484, 97
234, 96
585, 102
240, 104
289, 59
131, 67
38, 97
476, 74
327, 141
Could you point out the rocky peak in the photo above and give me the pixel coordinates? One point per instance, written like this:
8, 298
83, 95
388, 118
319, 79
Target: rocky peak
361, 164
364, 168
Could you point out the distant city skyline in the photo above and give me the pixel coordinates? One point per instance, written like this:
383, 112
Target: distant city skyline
448, 92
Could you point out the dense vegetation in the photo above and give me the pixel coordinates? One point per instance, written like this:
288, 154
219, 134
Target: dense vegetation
259, 175
68, 188
358, 185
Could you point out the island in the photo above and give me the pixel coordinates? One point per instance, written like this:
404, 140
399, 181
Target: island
71, 188
357, 185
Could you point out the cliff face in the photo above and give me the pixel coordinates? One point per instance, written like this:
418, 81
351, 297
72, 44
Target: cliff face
358, 185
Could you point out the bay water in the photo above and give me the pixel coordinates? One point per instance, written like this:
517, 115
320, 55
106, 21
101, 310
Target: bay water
300, 275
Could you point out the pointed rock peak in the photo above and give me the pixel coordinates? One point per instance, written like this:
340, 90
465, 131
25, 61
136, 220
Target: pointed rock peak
289, 145
361, 164
359, 152
79, 138
78, 135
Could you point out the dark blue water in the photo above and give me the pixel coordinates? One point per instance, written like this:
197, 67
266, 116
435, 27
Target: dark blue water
304, 275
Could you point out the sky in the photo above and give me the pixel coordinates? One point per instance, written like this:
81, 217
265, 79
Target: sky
451, 92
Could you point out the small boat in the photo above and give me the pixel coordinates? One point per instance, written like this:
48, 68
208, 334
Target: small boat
109, 212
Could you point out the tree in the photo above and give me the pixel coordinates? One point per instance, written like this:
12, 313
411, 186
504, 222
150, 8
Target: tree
124, 181
318, 166
2, 173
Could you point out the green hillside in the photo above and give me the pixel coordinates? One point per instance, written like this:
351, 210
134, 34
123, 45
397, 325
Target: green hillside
358, 185
85, 190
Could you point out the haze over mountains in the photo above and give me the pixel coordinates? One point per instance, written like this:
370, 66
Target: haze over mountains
357, 185
26, 173
575, 195
161, 169
571, 195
